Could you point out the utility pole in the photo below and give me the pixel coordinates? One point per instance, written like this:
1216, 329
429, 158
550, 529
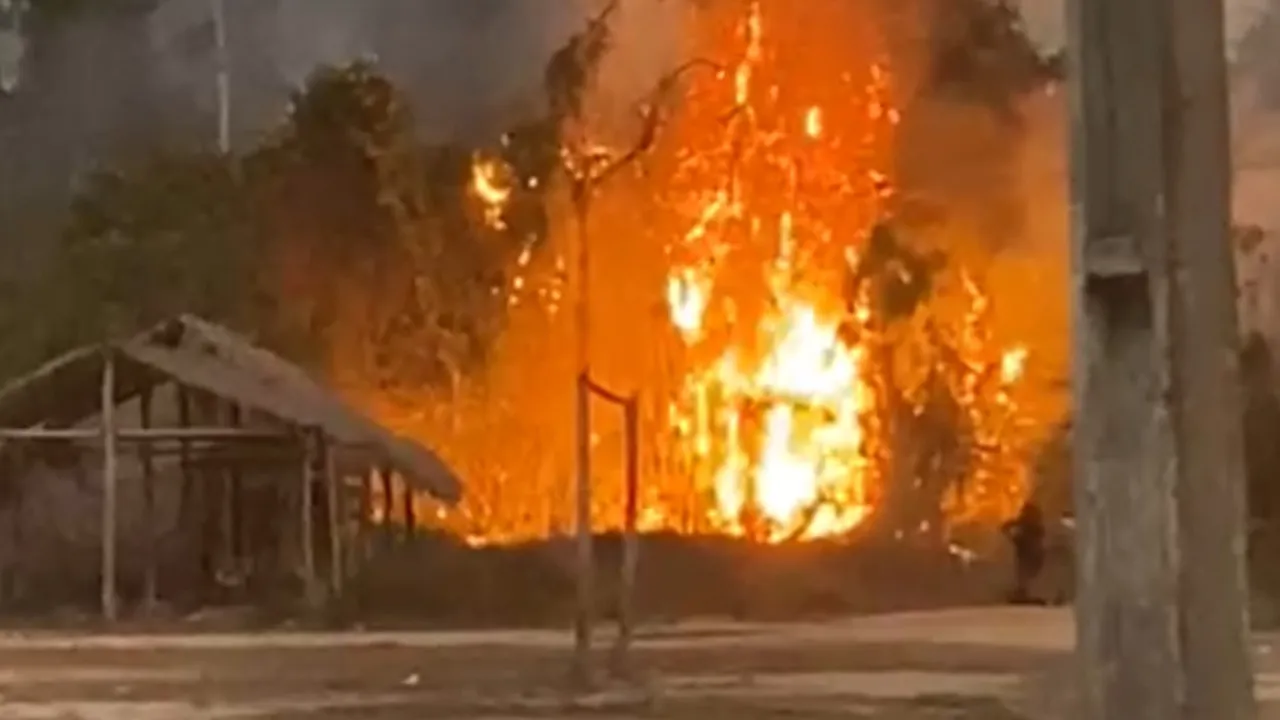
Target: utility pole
169, 25
1161, 602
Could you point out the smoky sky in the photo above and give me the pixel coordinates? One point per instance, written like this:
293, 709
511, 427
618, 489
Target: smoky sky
469, 66
102, 87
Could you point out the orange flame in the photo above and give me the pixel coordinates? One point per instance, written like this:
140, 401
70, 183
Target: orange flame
771, 409
488, 185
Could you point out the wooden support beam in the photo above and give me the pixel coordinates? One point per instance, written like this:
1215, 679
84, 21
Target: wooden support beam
364, 532
334, 499
585, 612
110, 489
388, 505
150, 584
192, 494
146, 434
305, 509
410, 511
231, 497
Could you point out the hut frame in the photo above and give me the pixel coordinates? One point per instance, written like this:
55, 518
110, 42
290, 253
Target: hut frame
56, 403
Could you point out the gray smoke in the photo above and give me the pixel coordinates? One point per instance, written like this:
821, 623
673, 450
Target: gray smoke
107, 85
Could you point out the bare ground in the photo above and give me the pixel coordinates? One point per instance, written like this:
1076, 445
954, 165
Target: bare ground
912, 667
989, 664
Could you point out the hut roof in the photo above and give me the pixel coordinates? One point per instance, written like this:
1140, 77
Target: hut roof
209, 357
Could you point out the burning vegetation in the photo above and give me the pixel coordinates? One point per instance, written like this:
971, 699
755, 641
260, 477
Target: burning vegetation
807, 363
816, 354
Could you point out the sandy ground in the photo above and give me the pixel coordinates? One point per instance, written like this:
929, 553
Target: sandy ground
990, 663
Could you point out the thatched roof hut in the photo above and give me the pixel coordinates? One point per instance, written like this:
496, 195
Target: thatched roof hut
199, 354
72, 400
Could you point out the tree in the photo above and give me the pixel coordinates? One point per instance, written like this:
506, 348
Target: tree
162, 236
379, 275
981, 53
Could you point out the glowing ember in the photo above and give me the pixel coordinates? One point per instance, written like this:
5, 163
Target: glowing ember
1013, 364
489, 186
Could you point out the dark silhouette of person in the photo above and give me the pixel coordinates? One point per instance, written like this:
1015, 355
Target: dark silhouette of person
1027, 534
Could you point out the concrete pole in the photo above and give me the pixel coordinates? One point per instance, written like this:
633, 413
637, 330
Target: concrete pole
1160, 602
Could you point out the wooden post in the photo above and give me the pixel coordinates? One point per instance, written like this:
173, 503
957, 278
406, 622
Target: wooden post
388, 505
630, 541
335, 522
410, 511
191, 496
110, 489
1159, 606
232, 509
365, 532
306, 504
585, 612
150, 583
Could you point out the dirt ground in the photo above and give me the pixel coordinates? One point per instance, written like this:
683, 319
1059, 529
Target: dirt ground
992, 664
908, 666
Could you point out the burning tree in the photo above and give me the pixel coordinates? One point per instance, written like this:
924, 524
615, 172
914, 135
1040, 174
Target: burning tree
819, 379
817, 359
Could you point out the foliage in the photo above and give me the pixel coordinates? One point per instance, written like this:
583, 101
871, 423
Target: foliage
897, 277
573, 68
982, 54
174, 221
330, 194
139, 243
341, 231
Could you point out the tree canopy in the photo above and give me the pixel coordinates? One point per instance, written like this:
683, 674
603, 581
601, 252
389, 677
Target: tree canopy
341, 229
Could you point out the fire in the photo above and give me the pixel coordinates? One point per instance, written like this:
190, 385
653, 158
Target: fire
488, 185
777, 405
771, 410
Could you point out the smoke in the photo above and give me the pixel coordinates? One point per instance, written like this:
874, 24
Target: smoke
982, 171
471, 67
99, 86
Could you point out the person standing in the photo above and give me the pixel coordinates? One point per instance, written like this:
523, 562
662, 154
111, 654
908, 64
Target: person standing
1027, 534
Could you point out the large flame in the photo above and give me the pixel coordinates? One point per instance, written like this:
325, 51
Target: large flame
770, 413
770, 419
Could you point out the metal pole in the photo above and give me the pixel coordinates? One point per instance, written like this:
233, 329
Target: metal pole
223, 77
1158, 537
